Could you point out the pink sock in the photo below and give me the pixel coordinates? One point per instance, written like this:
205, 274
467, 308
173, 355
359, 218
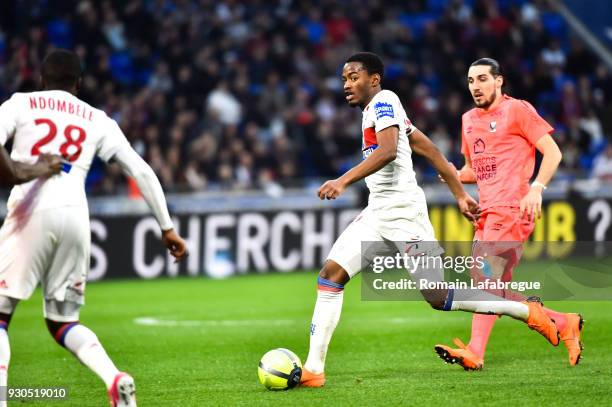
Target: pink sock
559, 318
481, 329
513, 295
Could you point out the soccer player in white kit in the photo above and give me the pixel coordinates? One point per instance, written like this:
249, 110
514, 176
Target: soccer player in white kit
396, 213
46, 236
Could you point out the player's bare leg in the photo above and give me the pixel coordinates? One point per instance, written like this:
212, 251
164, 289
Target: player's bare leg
7, 307
330, 289
5, 356
5, 353
83, 343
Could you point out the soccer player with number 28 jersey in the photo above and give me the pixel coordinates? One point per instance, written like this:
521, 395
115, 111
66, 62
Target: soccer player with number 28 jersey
499, 139
45, 237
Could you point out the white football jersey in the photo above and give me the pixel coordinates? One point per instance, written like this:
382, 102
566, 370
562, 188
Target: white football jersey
395, 182
57, 122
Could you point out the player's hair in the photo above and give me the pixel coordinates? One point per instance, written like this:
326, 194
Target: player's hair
494, 68
370, 61
61, 68
491, 63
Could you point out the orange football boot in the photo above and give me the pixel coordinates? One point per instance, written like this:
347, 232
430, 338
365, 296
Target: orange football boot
570, 335
463, 356
312, 380
539, 321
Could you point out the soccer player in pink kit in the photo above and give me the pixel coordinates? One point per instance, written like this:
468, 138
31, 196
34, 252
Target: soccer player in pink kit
396, 216
499, 139
46, 237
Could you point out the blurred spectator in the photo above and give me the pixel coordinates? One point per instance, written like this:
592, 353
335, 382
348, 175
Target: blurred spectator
113, 29
161, 81
226, 94
194, 177
529, 13
591, 125
223, 105
553, 55
602, 165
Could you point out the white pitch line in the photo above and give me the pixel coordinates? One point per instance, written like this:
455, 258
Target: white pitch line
171, 322
153, 321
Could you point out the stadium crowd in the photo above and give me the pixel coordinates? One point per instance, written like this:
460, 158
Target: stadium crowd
229, 94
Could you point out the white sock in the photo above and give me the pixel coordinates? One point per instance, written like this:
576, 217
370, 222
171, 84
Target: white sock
5, 357
487, 303
513, 309
84, 344
324, 320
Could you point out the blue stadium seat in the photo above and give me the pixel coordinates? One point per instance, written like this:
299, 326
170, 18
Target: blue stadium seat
416, 22
59, 33
555, 25
393, 71
120, 64
437, 6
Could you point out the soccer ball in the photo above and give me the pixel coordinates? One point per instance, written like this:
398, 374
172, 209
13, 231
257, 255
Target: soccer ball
280, 369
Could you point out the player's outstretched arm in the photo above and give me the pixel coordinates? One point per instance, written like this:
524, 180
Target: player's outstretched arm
466, 174
13, 172
531, 204
134, 166
381, 156
422, 145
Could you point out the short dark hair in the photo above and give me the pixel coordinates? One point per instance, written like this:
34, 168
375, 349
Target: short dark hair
494, 68
491, 63
370, 61
61, 68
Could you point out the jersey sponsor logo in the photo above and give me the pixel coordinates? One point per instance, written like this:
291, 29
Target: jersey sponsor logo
383, 109
485, 168
493, 126
479, 146
369, 142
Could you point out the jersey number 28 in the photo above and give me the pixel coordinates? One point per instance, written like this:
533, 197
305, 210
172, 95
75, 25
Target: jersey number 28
69, 133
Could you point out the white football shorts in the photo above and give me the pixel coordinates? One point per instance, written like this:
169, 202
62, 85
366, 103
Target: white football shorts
396, 226
49, 246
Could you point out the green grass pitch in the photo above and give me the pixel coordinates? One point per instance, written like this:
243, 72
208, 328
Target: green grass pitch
381, 354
